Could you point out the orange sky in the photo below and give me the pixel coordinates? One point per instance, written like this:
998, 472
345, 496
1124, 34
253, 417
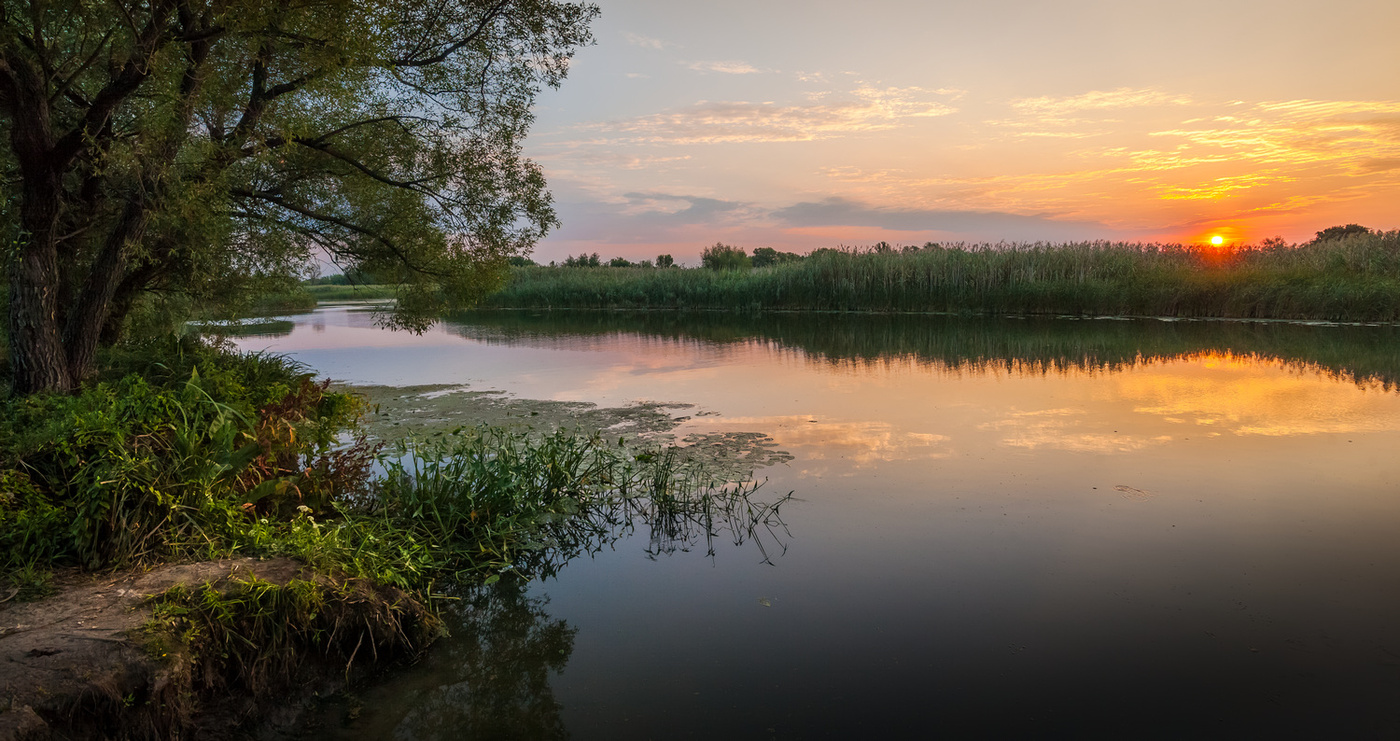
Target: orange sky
805, 125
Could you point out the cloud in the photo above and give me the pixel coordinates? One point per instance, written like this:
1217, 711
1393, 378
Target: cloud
646, 42
837, 211
1098, 100
725, 68
682, 209
864, 109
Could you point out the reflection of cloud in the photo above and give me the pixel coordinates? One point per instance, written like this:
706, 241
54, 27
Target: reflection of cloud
862, 442
1234, 397
1058, 429
711, 122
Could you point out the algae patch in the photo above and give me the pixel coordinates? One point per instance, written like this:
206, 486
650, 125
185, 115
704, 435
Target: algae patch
399, 412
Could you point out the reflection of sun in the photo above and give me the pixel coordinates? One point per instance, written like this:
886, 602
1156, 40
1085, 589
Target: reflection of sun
1217, 240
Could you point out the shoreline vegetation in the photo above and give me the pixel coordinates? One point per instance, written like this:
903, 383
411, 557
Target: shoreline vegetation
183, 452
1351, 278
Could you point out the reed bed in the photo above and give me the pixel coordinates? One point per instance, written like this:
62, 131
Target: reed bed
1351, 279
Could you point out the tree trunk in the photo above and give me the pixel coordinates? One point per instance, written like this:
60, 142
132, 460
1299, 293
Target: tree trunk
36, 353
89, 312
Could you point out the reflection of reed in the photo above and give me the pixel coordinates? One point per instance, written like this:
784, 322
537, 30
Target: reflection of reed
1361, 354
490, 678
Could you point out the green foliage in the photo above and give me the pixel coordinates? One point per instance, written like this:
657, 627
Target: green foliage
1354, 278
584, 260
149, 466
1338, 232
253, 634
767, 256
724, 257
362, 292
665, 261
214, 149
184, 450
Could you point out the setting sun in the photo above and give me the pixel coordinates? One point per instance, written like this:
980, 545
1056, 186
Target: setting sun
1217, 240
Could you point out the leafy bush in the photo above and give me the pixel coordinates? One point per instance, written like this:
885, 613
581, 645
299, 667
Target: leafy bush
724, 257
151, 466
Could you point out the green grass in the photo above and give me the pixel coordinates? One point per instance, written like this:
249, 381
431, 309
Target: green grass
1351, 279
351, 293
185, 451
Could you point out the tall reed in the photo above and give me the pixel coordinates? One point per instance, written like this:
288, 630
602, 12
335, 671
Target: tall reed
1351, 279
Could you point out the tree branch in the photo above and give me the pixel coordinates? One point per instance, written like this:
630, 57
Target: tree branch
337, 221
486, 20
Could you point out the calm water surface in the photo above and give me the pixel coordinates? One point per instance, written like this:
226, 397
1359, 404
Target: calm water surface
1049, 528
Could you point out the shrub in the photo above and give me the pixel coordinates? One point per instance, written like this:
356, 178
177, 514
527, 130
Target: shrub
724, 257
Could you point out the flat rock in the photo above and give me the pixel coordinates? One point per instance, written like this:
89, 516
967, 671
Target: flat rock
82, 647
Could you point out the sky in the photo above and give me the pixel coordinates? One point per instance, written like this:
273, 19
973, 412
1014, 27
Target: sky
801, 125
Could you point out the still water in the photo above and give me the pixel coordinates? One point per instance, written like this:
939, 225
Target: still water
1039, 528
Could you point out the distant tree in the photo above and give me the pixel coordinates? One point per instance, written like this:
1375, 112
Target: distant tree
724, 257
1337, 232
521, 261
642, 264
766, 256
883, 247
620, 262
584, 260
665, 261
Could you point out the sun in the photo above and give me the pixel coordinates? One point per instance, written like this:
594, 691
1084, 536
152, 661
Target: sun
1217, 240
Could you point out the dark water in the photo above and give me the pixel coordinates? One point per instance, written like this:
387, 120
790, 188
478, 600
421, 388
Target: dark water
1026, 528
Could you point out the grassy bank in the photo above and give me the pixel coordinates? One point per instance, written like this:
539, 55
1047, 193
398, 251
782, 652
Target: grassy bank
1351, 279
184, 452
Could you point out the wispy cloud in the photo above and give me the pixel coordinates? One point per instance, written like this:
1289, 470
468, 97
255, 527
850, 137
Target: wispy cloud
646, 42
724, 68
837, 211
864, 109
1099, 100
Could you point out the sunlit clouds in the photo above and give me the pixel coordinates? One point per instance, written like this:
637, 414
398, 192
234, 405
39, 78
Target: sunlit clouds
825, 116
813, 145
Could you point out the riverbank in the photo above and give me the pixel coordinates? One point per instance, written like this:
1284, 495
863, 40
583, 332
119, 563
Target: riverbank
213, 523
1355, 278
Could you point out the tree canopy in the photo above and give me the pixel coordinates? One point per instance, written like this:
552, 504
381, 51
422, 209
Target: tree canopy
1338, 232
207, 147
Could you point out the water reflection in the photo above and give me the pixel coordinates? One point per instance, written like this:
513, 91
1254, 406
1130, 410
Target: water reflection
1008, 528
1365, 355
490, 680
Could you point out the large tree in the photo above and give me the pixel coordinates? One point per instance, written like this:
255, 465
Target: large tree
199, 146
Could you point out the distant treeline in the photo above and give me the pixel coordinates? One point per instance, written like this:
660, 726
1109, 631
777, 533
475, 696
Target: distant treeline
1038, 344
1350, 274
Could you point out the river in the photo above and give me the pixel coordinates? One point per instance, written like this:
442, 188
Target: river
999, 527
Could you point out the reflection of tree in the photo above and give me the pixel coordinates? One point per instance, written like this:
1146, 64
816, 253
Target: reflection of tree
1034, 344
503, 648
496, 666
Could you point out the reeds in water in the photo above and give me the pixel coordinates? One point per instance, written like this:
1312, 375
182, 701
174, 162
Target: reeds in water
1351, 279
